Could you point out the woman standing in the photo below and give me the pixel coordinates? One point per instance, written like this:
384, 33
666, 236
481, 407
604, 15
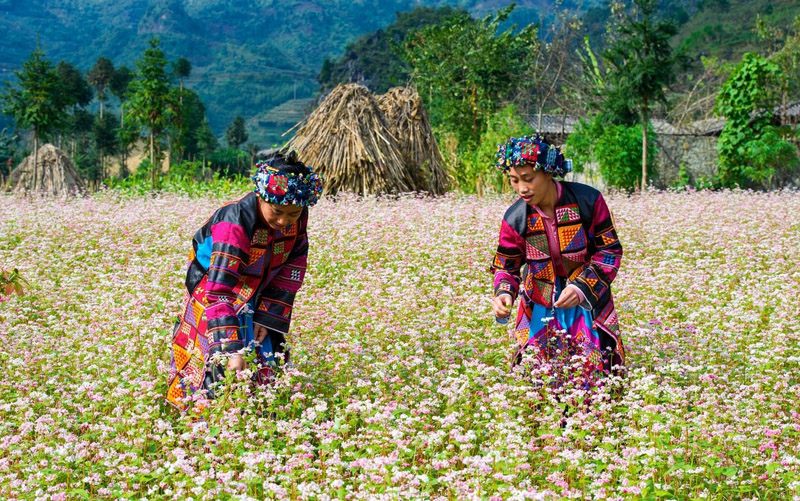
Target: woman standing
564, 235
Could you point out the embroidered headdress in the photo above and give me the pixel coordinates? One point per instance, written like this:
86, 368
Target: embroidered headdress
532, 151
278, 181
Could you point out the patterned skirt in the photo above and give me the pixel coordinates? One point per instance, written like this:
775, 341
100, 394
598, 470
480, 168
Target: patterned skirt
555, 336
190, 373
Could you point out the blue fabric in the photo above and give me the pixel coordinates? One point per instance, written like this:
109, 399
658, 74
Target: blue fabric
562, 318
203, 253
247, 331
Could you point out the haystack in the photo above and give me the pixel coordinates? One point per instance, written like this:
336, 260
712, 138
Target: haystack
347, 140
409, 124
55, 176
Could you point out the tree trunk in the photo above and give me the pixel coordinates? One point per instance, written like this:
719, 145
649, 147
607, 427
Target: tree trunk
101, 110
644, 145
475, 112
123, 145
152, 156
36, 158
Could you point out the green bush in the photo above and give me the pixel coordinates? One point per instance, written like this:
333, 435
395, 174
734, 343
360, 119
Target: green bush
751, 150
230, 162
476, 172
766, 156
617, 150
187, 169
184, 178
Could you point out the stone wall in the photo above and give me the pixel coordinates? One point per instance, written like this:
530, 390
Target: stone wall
697, 153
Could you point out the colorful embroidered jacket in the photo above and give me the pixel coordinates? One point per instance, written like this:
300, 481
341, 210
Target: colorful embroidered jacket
590, 252
237, 257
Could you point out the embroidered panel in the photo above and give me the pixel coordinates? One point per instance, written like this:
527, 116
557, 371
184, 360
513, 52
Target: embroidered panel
535, 223
261, 237
536, 247
568, 214
542, 270
291, 231
574, 261
571, 238
608, 238
539, 291
258, 261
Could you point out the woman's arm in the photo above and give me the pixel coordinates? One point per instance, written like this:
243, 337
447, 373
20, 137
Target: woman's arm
231, 247
595, 280
507, 262
274, 308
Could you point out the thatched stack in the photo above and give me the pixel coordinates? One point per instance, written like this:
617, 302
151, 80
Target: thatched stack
408, 121
55, 174
347, 140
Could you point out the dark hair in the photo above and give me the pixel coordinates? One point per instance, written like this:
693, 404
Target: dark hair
286, 163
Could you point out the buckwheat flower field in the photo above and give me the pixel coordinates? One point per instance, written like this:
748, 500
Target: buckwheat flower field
400, 385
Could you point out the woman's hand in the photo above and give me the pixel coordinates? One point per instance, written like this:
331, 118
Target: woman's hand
236, 363
260, 333
569, 298
501, 305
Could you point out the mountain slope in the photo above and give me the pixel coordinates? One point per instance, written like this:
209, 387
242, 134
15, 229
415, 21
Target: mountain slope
247, 56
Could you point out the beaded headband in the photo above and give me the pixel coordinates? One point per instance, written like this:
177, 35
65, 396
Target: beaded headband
532, 151
278, 187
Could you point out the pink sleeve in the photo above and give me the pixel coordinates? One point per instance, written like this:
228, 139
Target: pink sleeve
508, 261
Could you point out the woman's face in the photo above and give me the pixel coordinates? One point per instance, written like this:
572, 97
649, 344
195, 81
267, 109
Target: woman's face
278, 217
532, 186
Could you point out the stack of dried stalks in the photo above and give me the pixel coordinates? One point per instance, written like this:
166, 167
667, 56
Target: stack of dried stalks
347, 140
53, 173
408, 121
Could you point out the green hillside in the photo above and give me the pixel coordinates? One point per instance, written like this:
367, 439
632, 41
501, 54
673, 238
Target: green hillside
248, 56
726, 28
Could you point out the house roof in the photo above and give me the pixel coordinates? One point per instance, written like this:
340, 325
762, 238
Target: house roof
565, 124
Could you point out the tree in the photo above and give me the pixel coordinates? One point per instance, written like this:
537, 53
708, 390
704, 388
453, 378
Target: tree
556, 64
206, 141
77, 94
465, 69
106, 139
120, 87
376, 59
193, 113
182, 69
75, 89
252, 151
786, 56
641, 65
35, 102
8, 148
100, 77
236, 134
150, 98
